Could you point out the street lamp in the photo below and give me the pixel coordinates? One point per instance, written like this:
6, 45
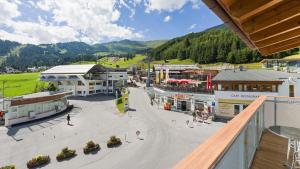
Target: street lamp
148, 78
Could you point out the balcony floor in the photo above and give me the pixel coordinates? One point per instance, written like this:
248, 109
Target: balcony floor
271, 152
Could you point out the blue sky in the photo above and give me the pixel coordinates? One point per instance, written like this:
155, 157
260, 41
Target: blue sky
94, 21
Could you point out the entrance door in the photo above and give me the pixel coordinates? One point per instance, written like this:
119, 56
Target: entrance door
292, 91
183, 105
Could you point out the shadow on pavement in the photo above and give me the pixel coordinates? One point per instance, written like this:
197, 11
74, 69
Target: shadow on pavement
42, 123
96, 98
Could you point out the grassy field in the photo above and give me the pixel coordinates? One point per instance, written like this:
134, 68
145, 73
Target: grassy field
121, 104
247, 65
109, 62
139, 61
20, 84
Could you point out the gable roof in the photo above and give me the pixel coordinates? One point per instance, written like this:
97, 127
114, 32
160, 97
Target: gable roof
253, 75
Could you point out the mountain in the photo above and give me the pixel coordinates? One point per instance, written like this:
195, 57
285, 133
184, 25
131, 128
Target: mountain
128, 46
216, 44
21, 56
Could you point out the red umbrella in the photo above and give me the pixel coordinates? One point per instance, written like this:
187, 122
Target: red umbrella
185, 80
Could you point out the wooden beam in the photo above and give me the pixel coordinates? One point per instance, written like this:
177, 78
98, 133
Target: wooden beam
279, 38
279, 49
275, 30
260, 10
281, 44
272, 16
239, 8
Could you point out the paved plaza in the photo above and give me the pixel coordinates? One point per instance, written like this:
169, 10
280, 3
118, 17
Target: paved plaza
164, 140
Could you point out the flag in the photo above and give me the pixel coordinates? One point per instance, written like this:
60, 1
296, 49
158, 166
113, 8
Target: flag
157, 77
167, 74
161, 74
209, 82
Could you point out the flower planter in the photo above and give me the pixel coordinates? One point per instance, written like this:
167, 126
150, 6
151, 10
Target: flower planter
65, 154
114, 142
8, 167
91, 147
38, 161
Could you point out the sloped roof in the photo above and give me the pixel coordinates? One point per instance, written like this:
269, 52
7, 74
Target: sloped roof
253, 75
75, 69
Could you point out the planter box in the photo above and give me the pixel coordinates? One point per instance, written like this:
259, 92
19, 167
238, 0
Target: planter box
87, 150
38, 162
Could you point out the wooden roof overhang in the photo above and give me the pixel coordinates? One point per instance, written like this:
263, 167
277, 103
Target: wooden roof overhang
270, 26
25, 101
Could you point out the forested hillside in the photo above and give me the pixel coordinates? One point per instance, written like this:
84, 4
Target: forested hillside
218, 44
22, 56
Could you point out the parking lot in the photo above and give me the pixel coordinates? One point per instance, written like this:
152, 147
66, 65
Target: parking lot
164, 140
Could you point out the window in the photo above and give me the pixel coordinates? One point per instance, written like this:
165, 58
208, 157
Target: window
110, 76
104, 83
98, 83
236, 109
109, 83
91, 83
80, 83
292, 91
59, 83
121, 75
274, 88
79, 92
240, 87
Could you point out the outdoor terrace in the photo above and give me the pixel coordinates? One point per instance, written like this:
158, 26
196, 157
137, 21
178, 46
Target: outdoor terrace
185, 89
247, 141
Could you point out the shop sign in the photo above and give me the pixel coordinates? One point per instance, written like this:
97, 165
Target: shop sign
180, 96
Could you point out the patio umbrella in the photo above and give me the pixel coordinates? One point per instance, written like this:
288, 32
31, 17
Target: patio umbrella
185, 81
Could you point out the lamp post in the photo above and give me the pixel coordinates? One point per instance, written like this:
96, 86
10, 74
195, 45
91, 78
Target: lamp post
148, 77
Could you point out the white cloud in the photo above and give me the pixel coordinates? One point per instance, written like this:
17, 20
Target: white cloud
89, 21
169, 5
193, 26
167, 18
8, 10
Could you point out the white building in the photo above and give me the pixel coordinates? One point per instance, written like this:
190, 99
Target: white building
83, 80
34, 106
236, 89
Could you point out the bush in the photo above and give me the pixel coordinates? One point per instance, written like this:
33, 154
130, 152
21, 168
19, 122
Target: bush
38, 161
119, 101
91, 147
8, 167
114, 142
66, 153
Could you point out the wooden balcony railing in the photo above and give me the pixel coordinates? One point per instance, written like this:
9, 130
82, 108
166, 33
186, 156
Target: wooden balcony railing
234, 145
185, 89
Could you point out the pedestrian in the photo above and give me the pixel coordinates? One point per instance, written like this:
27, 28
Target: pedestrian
68, 119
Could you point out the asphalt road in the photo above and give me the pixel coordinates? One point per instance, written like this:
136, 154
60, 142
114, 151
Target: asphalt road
164, 140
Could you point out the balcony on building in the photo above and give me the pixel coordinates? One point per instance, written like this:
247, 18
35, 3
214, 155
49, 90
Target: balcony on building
249, 140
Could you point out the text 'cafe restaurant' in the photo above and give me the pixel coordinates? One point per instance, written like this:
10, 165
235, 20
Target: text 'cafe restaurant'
236, 89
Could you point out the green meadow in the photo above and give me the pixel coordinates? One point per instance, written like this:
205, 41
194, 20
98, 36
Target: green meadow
20, 84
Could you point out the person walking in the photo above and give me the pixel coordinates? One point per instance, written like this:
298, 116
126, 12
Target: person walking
68, 119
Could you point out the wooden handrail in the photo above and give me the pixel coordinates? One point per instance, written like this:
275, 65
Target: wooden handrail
207, 154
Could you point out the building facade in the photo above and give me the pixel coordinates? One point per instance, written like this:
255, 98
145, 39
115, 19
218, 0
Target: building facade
83, 80
236, 89
34, 106
183, 102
